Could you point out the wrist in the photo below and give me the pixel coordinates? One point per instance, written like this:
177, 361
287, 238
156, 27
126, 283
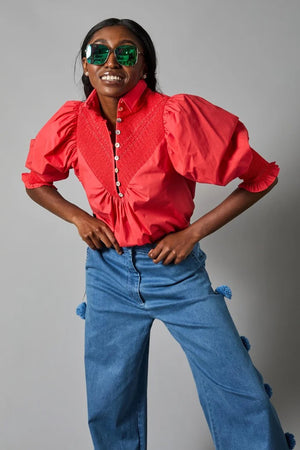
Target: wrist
78, 216
194, 232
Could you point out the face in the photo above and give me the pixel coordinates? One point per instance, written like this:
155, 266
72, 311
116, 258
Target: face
127, 77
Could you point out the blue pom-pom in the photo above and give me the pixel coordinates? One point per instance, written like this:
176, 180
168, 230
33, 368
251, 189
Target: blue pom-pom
291, 441
246, 343
224, 290
268, 389
80, 310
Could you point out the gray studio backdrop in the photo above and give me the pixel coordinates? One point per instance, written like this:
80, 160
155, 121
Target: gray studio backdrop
243, 56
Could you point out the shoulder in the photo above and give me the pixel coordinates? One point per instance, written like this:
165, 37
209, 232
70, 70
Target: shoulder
187, 112
63, 121
194, 104
68, 111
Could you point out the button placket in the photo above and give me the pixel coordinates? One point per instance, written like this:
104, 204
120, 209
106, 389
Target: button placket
117, 157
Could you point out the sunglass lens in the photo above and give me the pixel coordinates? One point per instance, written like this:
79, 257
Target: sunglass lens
97, 54
126, 55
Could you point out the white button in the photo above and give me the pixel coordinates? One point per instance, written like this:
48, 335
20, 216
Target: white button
119, 119
120, 194
117, 144
121, 108
118, 183
116, 170
118, 132
117, 158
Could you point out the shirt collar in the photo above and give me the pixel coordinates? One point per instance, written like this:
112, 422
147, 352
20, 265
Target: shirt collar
130, 99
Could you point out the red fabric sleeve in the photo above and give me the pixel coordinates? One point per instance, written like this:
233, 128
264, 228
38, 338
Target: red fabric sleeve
53, 151
210, 145
260, 174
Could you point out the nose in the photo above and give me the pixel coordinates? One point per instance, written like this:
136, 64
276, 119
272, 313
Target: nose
112, 61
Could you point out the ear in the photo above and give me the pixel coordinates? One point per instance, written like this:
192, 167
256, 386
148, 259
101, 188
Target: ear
84, 65
144, 70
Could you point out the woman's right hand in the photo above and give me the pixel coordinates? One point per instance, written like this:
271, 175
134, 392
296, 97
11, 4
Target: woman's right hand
92, 230
96, 233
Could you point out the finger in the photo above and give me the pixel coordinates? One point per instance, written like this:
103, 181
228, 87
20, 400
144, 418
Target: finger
163, 254
113, 241
154, 252
170, 258
99, 235
181, 256
179, 259
96, 241
90, 243
92, 240
110, 241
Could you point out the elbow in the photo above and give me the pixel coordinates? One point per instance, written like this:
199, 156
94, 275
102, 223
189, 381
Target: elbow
269, 188
274, 182
35, 192
30, 191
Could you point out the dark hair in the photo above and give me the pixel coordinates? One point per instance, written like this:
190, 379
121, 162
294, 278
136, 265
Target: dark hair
141, 35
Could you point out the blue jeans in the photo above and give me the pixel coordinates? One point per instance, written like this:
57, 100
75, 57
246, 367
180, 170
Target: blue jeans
125, 293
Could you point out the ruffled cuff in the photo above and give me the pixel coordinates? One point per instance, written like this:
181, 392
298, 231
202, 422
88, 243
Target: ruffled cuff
263, 180
32, 181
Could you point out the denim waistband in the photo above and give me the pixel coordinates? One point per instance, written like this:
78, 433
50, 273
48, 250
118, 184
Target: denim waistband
139, 248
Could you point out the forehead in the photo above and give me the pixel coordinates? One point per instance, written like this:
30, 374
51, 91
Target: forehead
114, 35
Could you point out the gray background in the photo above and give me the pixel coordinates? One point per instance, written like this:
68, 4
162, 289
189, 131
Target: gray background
243, 56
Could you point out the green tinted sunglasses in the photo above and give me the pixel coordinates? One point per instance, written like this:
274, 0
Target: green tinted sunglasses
98, 54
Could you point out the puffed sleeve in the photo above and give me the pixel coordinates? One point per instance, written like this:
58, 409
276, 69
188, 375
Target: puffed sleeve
52, 152
210, 145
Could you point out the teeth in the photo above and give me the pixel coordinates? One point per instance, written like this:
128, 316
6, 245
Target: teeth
110, 77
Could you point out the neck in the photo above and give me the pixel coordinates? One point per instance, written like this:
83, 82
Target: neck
109, 106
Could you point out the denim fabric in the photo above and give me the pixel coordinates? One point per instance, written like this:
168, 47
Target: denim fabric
125, 293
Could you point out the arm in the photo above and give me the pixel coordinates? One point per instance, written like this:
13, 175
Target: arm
175, 247
92, 230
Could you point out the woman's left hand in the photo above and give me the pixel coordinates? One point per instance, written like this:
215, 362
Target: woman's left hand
174, 247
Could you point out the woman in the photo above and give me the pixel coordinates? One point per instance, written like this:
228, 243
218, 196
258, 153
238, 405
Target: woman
138, 154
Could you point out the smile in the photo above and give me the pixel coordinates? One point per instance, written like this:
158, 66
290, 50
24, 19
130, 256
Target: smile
111, 78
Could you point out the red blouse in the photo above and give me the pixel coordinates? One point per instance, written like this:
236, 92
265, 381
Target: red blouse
143, 186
